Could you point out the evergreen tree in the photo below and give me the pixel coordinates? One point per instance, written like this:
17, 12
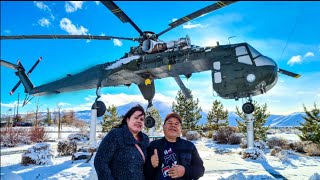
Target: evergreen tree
110, 119
216, 115
311, 127
154, 112
49, 120
188, 109
260, 116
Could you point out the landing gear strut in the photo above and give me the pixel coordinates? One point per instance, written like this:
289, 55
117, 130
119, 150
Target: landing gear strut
248, 109
148, 91
97, 110
149, 121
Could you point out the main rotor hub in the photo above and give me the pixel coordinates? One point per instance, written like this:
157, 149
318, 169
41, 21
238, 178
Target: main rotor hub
148, 35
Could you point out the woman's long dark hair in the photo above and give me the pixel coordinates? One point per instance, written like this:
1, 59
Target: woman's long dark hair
138, 107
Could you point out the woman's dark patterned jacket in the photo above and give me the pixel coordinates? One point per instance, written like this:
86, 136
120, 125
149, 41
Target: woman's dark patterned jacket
117, 156
187, 156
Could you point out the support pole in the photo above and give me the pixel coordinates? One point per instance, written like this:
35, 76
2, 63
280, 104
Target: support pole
92, 140
249, 123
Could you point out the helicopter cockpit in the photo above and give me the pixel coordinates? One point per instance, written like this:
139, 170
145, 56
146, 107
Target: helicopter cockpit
242, 53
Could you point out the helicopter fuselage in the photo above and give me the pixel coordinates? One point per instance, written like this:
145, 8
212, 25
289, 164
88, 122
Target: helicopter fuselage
236, 73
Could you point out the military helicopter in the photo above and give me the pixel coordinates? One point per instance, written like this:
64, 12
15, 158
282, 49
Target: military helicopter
238, 70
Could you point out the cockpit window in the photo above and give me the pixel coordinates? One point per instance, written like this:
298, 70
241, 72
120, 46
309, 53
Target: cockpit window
254, 52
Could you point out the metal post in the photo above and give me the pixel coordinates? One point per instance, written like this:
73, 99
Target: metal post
92, 140
249, 123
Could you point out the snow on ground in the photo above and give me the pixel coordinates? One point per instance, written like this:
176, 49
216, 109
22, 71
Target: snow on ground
221, 161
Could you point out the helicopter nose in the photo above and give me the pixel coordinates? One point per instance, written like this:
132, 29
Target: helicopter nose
264, 61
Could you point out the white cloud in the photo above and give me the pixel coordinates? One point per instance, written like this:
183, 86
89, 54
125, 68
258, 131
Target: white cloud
190, 25
63, 104
309, 54
12, 104
7, 31
44, 22
174, 19
73, 6
117, 42
66, 24
298, 59
122, 99
41, 6
295, 59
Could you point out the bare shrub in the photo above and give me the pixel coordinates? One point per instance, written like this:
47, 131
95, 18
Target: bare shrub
81, 125
275, 150
38, 134
24, 137
297, 146
39, 154
235, 138
184, 132
224, 133
261, 145
210, 134
192, 135
275, 141
243, 143
78, 137
253, 153
312, 149
10, 136
66, 148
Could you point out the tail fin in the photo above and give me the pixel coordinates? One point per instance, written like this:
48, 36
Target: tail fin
21, 74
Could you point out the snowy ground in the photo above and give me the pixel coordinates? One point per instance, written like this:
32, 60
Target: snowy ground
220, 161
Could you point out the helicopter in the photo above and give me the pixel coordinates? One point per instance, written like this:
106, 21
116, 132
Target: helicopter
238, 70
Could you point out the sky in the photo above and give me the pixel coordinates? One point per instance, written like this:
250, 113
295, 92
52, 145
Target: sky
287, 32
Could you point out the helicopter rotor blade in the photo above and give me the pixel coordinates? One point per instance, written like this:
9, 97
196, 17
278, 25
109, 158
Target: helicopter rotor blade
9, 65
120, 14
196, 14
89, 37
288, 73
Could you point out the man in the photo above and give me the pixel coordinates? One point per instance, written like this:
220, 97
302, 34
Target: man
172, 157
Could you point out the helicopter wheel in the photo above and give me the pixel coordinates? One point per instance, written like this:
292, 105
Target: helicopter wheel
101, 108
248, 108
149, 122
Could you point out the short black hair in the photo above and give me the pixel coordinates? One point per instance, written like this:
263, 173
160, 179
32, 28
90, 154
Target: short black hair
138, 107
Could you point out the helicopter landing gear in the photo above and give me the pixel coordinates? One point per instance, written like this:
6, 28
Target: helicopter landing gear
97, 110
248, 109
148, 92
149, 121
99, 105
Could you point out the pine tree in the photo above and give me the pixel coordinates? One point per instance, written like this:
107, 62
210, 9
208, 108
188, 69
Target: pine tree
110, 119
215, 115
188, 109
49, 120
154, 112
311, 127
260, 116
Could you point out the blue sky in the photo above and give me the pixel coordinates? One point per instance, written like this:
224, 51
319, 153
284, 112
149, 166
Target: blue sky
286, 31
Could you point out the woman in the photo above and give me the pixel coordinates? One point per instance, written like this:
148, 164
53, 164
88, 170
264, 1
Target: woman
121, 154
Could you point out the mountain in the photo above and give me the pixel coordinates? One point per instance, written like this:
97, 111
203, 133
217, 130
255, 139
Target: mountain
293, 119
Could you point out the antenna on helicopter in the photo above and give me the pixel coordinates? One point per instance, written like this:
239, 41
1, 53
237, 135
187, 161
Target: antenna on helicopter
230, 38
